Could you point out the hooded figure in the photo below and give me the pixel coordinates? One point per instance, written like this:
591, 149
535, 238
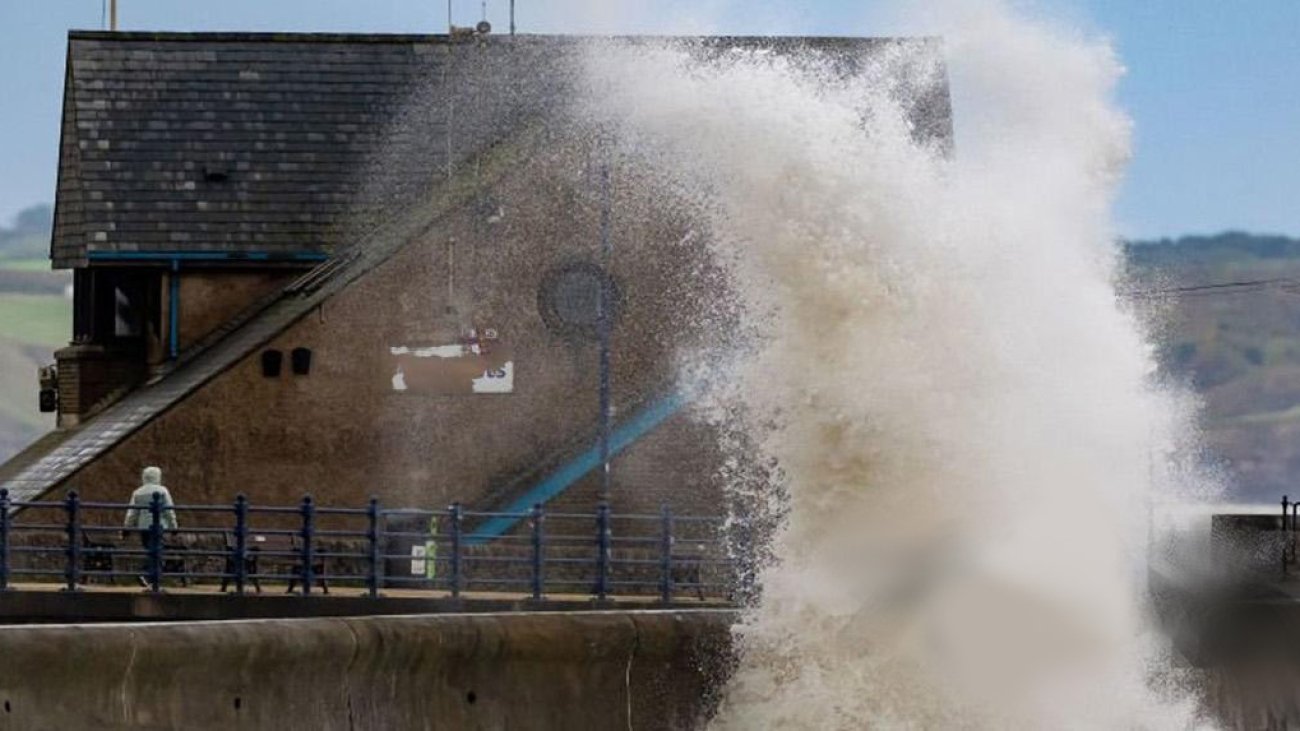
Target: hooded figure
138, 516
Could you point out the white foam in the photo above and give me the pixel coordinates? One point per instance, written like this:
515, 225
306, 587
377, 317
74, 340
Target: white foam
965, 414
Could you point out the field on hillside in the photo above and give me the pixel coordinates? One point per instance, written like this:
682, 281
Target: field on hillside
32, 327
32, 319
35, 320
1239, 347
25, 265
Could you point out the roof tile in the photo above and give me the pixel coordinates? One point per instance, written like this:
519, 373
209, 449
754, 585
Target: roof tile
149, 111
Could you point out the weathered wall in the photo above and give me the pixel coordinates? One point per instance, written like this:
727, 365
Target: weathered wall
1236, 637
211, 297
90, 374
342, 432
651, 670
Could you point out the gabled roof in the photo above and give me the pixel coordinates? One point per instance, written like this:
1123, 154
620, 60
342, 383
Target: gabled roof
222, 142
256, 143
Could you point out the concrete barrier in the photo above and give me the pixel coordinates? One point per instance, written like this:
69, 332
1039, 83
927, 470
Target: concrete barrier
593, 670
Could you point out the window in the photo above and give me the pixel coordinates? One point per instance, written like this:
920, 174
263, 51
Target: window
114, 305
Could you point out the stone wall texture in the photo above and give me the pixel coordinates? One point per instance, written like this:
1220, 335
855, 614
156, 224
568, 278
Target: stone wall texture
633, 670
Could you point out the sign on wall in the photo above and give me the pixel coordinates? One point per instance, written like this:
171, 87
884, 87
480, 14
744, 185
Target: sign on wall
479, 364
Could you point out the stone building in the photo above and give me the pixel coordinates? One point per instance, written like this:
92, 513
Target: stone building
356, 265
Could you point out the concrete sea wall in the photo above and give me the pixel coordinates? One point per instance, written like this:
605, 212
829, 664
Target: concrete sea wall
589, 670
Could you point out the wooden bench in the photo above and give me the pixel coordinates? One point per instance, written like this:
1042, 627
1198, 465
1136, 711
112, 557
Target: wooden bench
97, 553
273, 549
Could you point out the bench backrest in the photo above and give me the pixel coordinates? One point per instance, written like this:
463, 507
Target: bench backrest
270, 542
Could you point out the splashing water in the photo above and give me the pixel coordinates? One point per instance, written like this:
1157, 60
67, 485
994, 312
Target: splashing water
965, 416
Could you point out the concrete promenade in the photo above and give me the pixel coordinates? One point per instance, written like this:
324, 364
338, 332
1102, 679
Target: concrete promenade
573, 670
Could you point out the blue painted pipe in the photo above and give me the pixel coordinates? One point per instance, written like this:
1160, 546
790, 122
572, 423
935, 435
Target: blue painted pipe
174, 312
171, 256
623, 437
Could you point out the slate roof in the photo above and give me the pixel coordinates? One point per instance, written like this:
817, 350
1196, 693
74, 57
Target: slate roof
496, 97
222, 142
254, 142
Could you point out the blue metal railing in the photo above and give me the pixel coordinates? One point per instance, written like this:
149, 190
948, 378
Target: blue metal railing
1290, 521
603, 555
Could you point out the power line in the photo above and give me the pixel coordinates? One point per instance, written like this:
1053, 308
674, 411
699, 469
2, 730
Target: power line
1285, 285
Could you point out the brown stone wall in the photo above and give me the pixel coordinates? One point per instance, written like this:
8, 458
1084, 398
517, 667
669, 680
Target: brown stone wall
342, 433
210, 298
90, 374
675, 465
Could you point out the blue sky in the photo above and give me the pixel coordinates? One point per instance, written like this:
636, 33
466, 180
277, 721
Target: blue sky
1214, 85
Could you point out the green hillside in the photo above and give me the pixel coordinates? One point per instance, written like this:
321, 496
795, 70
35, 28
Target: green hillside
35, 319
1239, 346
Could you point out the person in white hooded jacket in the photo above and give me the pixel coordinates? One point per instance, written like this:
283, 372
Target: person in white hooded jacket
138, 517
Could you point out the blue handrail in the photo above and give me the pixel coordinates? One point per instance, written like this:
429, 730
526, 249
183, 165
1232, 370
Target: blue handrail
563, 478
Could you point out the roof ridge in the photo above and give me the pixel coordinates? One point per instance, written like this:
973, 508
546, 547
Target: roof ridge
245, 36
443, 38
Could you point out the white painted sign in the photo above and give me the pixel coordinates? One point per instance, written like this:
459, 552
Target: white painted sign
478, 365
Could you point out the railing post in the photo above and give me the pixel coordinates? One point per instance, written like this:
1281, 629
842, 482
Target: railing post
241, 542
666, 554
72, 572
1295, 514
603, 538
1286, 559
538, 560
4, 539
308, 532
372, 535
457, 515
155, 543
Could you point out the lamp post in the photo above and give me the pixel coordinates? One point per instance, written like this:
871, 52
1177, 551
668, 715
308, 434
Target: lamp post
604, 323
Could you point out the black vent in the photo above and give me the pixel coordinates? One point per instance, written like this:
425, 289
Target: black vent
272, 362
301, 360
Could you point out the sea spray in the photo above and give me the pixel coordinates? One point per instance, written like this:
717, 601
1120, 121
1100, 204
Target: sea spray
964, 416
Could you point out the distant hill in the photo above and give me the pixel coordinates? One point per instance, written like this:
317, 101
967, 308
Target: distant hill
1240, 347
1204, 253
29, 236
35, 319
